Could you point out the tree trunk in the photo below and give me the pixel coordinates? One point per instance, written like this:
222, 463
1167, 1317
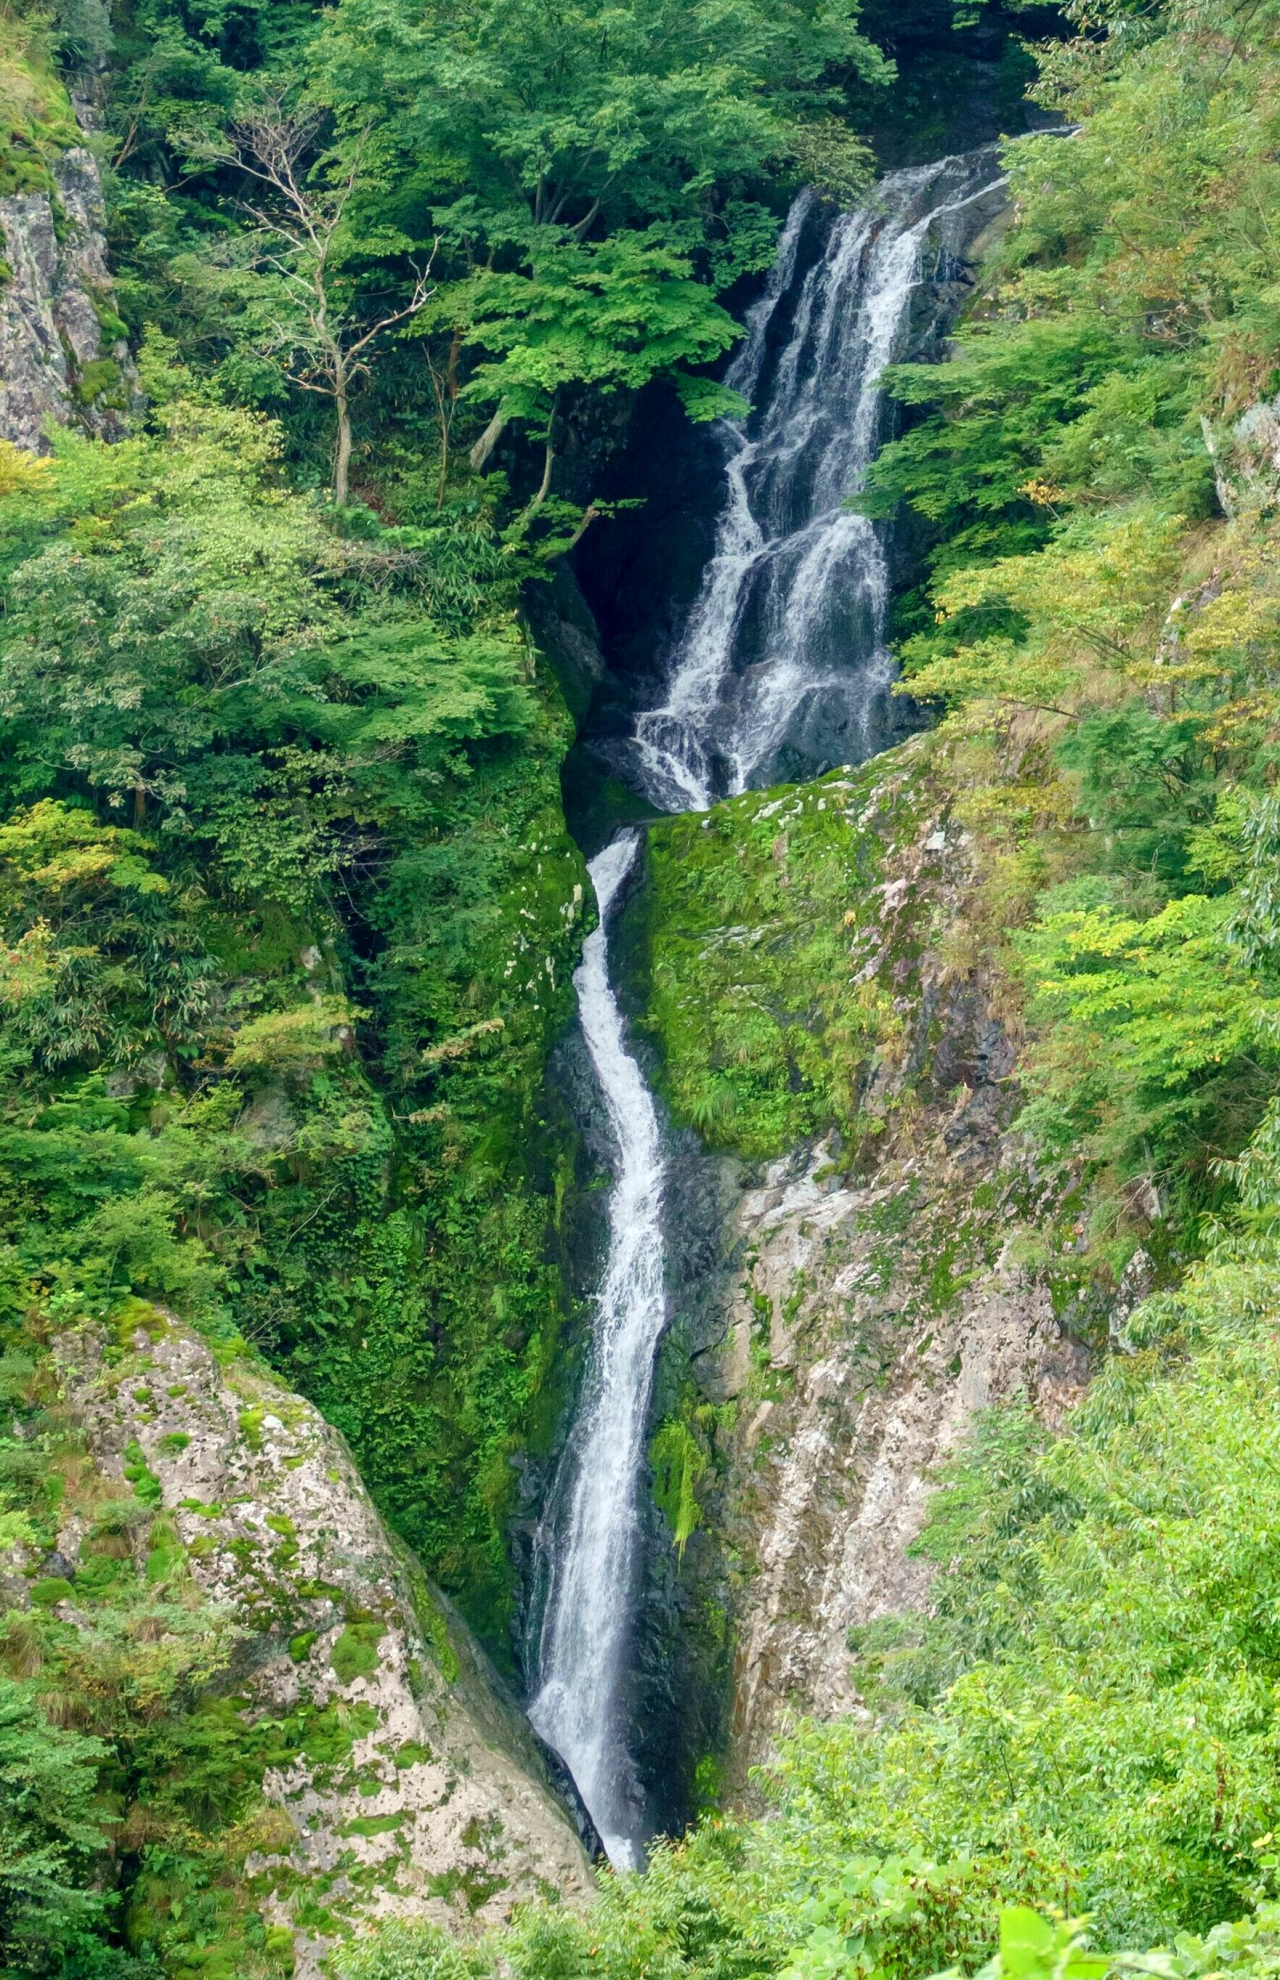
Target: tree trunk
448, 406
545, 489
342, 455
488, 440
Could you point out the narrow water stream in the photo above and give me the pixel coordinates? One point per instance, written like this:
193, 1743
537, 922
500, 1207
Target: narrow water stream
593, 1524
782, 663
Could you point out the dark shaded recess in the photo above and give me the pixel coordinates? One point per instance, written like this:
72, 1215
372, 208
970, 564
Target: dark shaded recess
639, 569
957, 87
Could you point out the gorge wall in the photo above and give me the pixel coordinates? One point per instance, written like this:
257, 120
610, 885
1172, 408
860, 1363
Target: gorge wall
63, 352
820, 1362
854, 1302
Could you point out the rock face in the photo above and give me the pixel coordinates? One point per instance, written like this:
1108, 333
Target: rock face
62, 354
437, 1803
864, 1302
875, 1321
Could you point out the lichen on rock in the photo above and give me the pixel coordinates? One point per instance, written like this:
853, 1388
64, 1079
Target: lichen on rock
414, 1789
63, 354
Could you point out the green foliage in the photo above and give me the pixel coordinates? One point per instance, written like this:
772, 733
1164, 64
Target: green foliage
1158, 1038
586, 170
639, 108
678, 1462
1034, 1948
317, 772
51, 1819
1072, 388
753, 993
1073, 391
894, 1917
1144, 1752
114, 1727
583, 186
608, 315
1100, 551
407, 1952
1004, 396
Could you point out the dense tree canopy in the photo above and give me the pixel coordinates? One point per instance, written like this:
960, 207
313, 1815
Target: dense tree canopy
289, 912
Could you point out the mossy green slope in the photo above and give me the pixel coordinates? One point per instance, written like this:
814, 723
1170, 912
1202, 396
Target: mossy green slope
758, 993
36, 118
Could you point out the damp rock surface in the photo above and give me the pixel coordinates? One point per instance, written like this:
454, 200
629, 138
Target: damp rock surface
861, 1342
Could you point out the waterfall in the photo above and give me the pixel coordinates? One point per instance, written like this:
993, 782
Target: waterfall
784, 645
578, 1708
785, 641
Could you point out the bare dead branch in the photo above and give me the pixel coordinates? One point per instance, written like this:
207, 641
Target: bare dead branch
298, 226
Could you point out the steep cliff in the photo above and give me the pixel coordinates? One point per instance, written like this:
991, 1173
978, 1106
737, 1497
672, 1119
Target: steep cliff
62, 351
63, 354
397, 1780
816, 983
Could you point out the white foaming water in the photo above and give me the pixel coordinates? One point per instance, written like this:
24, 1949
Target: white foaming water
802, 584
788, 628
582, 1651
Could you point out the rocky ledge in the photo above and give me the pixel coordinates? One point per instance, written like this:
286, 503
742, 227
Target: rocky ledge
418, 1791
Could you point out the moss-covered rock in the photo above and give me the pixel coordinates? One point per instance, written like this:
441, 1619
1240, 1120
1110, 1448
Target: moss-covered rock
407, 1779
36, 118
824, 1012
766, 987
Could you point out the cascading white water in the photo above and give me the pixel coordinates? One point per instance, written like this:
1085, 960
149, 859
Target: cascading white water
788, 628
799, 586
582, 1652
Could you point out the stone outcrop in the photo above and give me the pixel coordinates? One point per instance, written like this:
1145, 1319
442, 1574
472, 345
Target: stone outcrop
437, 1803
863, 1303
871, 1323
62, 354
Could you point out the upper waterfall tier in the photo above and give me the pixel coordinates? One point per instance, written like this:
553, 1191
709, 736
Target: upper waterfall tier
782, 667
